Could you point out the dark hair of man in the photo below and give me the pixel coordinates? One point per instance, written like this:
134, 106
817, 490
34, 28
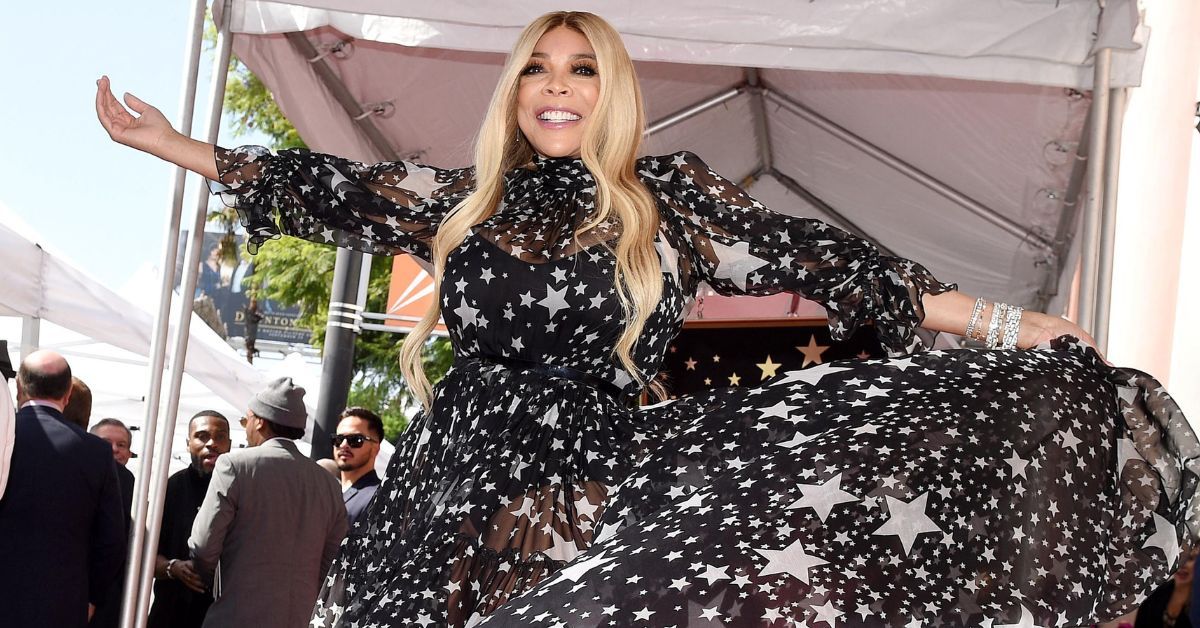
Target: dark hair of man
43, 385
294, 433
374, 423
205, 413
79, 407
117, 422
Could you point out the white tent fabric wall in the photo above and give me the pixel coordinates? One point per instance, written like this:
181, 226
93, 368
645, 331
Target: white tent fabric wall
118, 379
106, 336
46, 286
899, 84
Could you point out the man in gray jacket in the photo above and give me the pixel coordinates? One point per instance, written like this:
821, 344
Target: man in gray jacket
271, 522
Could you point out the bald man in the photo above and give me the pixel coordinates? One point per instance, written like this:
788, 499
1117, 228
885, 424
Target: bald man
62, 532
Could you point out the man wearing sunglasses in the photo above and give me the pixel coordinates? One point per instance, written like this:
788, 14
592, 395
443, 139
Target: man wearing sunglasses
355, 447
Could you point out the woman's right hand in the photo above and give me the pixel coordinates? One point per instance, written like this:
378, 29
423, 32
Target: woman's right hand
148, 131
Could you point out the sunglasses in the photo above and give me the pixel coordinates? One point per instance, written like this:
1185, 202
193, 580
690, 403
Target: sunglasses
354, 440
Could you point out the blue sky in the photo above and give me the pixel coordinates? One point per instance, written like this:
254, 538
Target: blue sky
102, 204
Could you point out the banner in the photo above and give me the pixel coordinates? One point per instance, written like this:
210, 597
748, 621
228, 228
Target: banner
226, 285
409, 295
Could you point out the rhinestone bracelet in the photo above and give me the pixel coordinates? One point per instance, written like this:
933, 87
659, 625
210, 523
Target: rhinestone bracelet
1012, 327
976, 314
993, 334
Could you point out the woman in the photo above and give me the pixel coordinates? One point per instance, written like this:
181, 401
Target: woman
957, 487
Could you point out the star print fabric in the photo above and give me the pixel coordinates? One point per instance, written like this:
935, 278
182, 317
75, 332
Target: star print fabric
944, 488
382, 209
738, 246
961, 488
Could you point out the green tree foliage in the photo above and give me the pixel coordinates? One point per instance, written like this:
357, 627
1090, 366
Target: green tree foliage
290, 270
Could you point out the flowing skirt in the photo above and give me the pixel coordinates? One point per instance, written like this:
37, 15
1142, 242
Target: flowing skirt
957, 488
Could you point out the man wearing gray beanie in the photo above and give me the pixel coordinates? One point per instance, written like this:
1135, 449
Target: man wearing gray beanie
271, 522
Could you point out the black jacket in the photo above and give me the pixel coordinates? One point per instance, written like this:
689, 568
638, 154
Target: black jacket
62, 532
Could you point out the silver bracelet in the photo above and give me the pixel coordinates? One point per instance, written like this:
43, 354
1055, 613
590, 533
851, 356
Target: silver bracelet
1012, 327
993, 335
976, 314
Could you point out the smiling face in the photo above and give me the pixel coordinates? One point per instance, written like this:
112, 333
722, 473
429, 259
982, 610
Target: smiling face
557, 92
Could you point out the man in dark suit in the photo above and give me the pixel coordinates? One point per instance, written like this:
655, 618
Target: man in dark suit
118, 436
62, 533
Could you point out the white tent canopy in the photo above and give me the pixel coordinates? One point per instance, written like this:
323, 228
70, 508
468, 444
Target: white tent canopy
1040, 43
42, 285
118, 379
944, 131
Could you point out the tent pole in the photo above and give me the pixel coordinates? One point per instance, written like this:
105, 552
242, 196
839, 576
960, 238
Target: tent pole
338, 90
1108, 216
1090, 247
158, 343
31, 335
794, 187
1067, 223
692, 111
762, 130
191, 271
337, 366
918, 175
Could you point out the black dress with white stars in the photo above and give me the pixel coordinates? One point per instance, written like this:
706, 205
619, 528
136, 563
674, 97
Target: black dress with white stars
955, 488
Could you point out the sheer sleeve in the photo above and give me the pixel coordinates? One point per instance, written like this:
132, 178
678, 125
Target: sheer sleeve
738, 246
382, 209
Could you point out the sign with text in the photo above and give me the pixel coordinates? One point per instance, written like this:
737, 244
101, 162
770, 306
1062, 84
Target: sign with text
226, 284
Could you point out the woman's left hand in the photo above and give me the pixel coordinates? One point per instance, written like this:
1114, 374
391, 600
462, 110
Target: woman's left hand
1038, 328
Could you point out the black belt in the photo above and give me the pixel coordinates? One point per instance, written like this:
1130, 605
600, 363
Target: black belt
562, 372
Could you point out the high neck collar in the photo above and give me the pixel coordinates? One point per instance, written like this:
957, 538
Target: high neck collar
560, 167
542, 162
553, 174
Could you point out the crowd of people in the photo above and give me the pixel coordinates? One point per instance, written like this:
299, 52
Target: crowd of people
246, 535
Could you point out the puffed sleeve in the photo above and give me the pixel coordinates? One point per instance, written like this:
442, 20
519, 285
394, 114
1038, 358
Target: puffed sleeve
738, 246
385, 208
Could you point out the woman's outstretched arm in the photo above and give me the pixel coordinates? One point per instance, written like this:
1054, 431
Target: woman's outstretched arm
149, 131
738, 246
382, 208
951, 312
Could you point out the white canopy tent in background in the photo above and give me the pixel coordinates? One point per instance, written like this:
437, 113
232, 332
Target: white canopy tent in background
945, 131
106, 338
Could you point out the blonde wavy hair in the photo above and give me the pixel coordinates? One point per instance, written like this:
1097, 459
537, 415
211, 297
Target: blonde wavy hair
611, 143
